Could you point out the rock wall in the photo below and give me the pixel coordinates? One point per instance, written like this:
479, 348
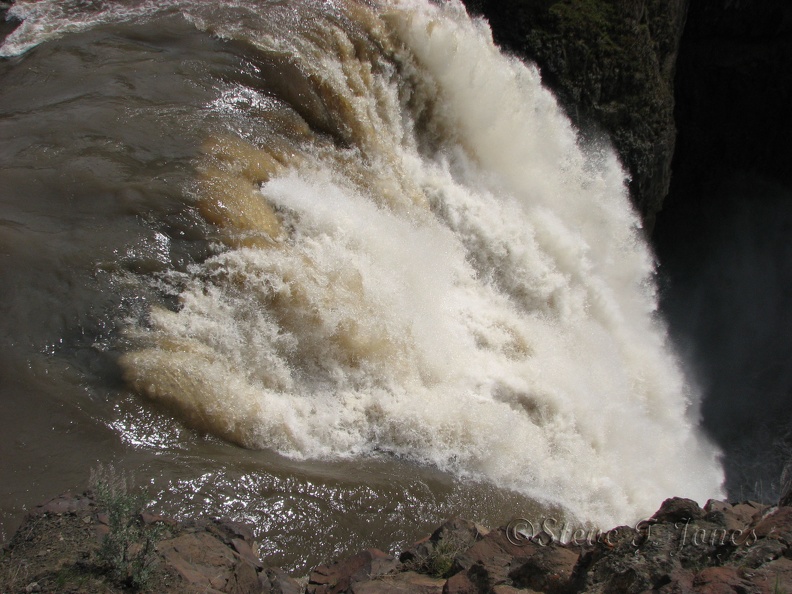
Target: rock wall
612, 65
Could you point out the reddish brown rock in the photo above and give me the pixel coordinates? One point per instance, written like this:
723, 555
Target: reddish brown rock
777, 525
720, 580
679, 582
774, 577
713, 505
460, 584
205, 562
548, 569
59, 546
747, 513
220, 556
491, 563
721, 512
338, 577
200, 559
244, 580
277, 581
495, 560
246, 552
228, 529
510, 546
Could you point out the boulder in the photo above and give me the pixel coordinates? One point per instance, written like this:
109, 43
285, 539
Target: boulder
340, 576
204, 562
279, 582
777, 525
460, 583
548, 569
774, 577
720, 580
678, 509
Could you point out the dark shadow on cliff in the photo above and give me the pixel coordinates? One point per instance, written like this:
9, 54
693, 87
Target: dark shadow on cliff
723, 236
726, 289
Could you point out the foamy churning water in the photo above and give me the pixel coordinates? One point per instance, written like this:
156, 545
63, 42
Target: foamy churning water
417, 258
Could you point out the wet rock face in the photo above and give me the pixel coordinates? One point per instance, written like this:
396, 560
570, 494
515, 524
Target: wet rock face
612, 66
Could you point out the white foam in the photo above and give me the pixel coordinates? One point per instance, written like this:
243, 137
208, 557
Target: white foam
45, 20
508, 333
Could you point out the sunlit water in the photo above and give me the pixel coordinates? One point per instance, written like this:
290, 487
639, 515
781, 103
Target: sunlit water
338, 269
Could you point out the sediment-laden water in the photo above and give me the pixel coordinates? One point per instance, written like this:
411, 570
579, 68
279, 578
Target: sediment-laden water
337, 268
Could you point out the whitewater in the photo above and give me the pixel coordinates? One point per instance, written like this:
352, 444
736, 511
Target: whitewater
413, 255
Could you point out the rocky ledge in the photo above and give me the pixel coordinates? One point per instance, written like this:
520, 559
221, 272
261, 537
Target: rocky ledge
63, 547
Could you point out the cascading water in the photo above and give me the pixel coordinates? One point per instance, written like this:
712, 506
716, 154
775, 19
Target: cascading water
409, 254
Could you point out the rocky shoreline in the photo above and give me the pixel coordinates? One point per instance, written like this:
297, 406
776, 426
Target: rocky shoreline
720, 548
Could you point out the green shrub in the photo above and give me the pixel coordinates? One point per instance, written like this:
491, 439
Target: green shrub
128, 551
441, 559
437, 559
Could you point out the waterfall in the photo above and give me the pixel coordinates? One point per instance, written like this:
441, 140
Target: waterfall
413, 255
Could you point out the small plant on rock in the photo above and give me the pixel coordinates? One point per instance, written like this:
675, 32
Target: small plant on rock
128, 551
441, 558
437, 559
